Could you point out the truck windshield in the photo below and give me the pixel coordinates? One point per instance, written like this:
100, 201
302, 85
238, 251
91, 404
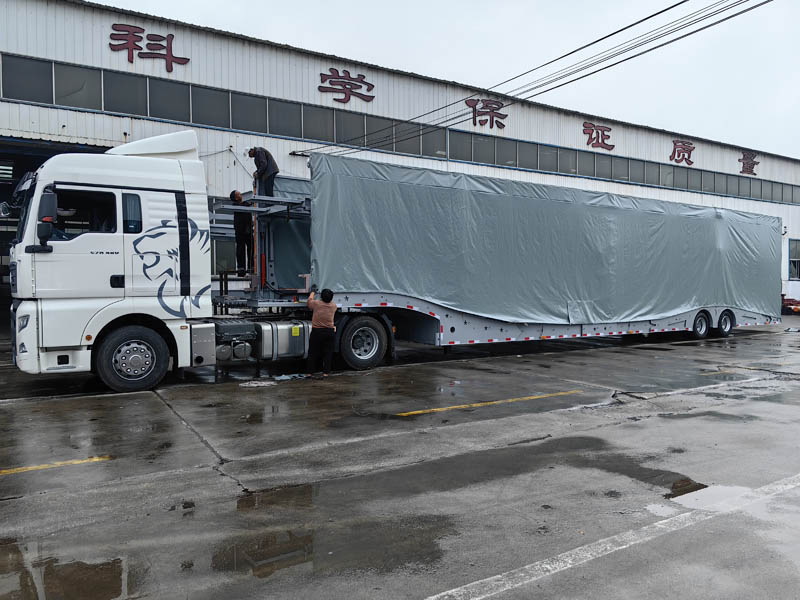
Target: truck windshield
21, 200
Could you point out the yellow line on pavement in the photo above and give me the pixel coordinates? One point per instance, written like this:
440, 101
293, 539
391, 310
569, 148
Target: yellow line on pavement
53, 465
489, 403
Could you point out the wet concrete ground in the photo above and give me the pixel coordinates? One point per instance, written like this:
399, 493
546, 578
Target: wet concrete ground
513, 464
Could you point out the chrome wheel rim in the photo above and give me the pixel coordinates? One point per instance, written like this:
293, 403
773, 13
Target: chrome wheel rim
725, 323
134, 360
364, 343
701, 325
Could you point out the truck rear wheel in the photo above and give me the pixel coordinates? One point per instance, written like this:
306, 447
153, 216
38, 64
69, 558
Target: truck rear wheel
701, 326
132, 358
363, 343
725, 325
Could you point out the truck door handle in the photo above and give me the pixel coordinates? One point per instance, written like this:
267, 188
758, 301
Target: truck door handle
118, 281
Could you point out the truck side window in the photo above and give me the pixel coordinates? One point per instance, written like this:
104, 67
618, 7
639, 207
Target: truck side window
82, 211
131, 213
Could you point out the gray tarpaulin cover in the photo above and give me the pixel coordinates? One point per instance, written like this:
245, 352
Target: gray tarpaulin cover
532, 253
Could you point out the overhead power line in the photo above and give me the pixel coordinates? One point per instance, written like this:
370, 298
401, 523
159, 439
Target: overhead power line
515, 77
551, 81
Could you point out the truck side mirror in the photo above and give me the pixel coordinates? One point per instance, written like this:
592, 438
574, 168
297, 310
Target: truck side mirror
44, 231
48, 203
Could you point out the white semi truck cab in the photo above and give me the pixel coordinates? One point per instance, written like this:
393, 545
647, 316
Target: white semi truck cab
111, 272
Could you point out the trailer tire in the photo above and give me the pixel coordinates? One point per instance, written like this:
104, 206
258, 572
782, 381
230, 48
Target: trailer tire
701, 325
132, 358
363, 343
725, 325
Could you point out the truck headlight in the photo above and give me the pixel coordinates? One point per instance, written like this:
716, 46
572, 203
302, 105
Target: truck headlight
22, 322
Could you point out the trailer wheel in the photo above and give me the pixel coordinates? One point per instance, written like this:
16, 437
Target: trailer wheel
363, 343
701, 326
725, 325
132, 358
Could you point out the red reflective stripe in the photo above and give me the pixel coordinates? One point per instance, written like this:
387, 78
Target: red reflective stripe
408, 306
471, 342
358, 304
451, 342
441, 329
508, 339
574, 335
433, 314
527, 339
384, 304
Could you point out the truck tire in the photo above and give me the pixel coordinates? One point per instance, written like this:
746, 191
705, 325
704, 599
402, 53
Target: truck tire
725, 325
363, 343
132, 358
701, 326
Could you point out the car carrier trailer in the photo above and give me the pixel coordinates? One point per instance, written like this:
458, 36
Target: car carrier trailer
111, 267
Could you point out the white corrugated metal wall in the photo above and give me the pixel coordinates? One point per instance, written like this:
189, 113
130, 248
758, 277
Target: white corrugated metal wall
79, 34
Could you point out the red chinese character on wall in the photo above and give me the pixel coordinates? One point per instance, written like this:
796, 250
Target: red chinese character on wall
489, 108
749, 163
682, 152
345, 84
129, 38
598, 136
159, 46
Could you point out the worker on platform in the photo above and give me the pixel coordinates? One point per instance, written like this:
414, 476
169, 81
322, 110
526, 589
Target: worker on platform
323, 331
266, 169
243, 230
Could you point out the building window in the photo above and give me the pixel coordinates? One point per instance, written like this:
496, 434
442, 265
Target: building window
602, 164
695, 180
82, 212
586, 164
406, 137
434, 142
620, 169
506, 152
318, 123
210, 107
349, 128
460, 145
707, 185
248, 113
680, 178
567, 161
637, 171
169, 100
131, 213
796, 194
27, 79
720, 184
528, 155
483, 149
733, 185
380, 133
651, 176
766, 190
548, 159
667, 175
755, 188
123, 93
285, 118
744, 187
794, 259
78, 87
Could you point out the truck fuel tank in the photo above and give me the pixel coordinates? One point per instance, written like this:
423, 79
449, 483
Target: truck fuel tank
282, 339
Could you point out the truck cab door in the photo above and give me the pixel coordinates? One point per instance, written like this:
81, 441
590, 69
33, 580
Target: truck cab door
86, 260
84, 272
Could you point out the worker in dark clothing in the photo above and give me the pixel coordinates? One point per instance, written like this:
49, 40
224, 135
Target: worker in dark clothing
243, 230
266, 169
323, 331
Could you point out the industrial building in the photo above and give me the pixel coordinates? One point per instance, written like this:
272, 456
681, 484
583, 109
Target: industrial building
78, 76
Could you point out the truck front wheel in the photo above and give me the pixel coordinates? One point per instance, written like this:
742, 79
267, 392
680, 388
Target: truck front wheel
363, 343
132, 358
701, 326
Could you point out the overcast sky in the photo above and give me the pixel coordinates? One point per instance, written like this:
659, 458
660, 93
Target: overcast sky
737, 82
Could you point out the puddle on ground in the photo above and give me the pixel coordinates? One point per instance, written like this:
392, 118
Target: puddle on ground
716, 497
26, 576
712, 414
380, 545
